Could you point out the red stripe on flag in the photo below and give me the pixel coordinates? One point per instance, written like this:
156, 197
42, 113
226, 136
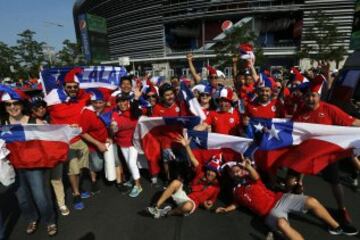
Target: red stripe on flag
37, 153
310, 157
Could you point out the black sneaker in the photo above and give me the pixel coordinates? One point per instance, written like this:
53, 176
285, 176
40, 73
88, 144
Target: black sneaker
349, 230
122, 188
95, 189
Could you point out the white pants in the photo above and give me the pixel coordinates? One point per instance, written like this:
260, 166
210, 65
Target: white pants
130, 154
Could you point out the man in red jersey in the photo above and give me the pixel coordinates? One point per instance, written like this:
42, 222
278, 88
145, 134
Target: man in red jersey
226, 119
68, 112
250, 192
316, 111
167, 107
264, 106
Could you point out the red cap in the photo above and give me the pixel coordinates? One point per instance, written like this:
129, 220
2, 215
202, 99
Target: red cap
212, 71
317, 83
298, 76
246, 47
71, 77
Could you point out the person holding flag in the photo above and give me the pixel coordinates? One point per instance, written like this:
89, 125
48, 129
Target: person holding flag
316, 111
204, 187
65, 106
33, 193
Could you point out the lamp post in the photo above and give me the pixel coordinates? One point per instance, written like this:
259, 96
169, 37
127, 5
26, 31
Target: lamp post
48, 49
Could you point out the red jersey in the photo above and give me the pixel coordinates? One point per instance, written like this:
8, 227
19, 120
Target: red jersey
126, 128
224, 122
201, 190
325, 114
92, 125
69, 112
160, 110
256, 197
272, 109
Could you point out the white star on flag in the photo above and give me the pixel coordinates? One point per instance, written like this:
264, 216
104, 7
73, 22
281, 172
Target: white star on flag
273, 133
259, 127
198, 141
6, 130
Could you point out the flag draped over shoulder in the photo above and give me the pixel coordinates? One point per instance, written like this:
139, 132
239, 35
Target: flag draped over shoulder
190, 100
90, 77
304, 147
149, 134
37, 146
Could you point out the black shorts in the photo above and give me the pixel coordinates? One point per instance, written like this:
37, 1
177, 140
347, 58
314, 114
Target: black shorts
331, 173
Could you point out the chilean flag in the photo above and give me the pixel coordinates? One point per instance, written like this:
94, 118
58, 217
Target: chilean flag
304, 147
37, 146
150, 131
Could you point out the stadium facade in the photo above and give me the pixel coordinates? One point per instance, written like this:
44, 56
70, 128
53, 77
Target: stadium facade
162, 31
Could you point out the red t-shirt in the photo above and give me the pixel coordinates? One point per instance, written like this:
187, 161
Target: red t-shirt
92, 125
160, 110
224, 122
69, 112
272, 109
201, 190
126, 128
256, 197
325, 114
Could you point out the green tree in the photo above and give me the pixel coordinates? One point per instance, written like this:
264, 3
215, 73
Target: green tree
7, 59
322, 35
229, 46
70, 54
29, 53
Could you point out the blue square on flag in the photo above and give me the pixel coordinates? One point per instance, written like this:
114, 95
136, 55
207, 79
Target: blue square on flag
12, 133
198, 139
274, 134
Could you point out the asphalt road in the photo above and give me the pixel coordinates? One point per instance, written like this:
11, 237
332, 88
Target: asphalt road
111, 215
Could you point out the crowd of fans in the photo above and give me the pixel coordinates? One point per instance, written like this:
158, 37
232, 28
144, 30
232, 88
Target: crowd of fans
192, 180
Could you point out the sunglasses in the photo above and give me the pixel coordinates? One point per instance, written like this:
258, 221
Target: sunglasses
72, 87
8, 104
204, 95
213, 77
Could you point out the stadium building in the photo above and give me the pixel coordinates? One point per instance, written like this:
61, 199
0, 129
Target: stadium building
161, 32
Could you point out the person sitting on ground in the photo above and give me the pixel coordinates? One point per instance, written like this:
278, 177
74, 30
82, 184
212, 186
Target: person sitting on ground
204, 188
250, 192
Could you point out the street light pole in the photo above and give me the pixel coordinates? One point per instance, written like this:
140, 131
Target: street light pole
48, 47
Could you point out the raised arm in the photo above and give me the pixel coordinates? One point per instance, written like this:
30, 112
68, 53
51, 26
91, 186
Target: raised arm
253, 173
254, 74
194, 74
185, 141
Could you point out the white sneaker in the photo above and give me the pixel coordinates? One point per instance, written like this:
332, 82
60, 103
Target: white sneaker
64, 210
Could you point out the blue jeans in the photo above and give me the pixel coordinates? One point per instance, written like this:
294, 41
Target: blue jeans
33, 195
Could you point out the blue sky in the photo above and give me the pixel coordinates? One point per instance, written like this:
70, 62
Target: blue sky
19, 15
